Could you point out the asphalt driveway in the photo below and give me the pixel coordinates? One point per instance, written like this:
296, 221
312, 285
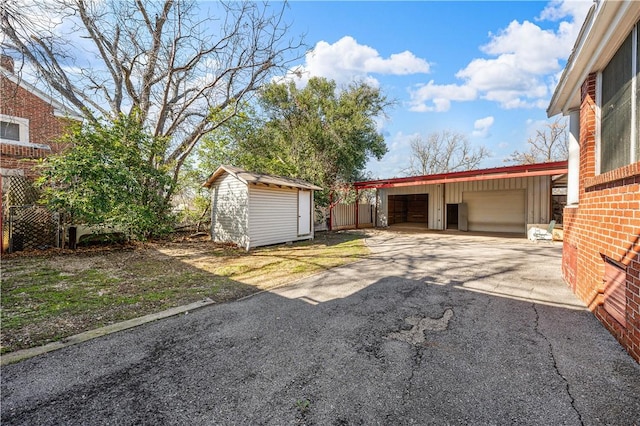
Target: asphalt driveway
431, 329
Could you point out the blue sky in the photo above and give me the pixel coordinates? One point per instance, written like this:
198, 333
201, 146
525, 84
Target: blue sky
483, 69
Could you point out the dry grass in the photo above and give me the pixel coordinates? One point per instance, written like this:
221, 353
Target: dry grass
50, 295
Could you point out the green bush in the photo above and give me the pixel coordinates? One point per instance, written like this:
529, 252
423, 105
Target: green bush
110, 174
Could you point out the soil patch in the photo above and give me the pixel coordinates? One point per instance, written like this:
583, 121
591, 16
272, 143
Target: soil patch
50, 295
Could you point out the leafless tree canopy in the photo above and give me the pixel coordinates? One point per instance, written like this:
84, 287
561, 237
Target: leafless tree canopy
165, 59
443, 152
549, 144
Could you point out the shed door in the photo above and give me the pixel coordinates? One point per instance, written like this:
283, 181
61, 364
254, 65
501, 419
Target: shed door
304, 212
496, 211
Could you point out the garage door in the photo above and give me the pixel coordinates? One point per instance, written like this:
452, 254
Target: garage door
496, 211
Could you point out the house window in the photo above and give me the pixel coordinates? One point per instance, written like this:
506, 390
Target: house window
620, 102
14, 129
9, 131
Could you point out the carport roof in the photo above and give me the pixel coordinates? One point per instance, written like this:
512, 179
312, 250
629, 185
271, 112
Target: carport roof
523, 170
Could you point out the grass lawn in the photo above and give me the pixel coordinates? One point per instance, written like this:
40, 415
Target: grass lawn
51, 295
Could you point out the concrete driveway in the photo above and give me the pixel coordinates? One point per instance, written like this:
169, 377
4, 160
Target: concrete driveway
432, 329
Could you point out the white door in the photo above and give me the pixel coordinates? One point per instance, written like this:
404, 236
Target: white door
304, 212
463, 217
496, 211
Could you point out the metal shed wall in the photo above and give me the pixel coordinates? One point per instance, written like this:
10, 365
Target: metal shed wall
229, 211
273, 216
435, 202
538, 193
537, 203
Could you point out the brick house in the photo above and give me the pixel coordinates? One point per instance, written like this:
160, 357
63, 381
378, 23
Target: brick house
30, 123
600, 92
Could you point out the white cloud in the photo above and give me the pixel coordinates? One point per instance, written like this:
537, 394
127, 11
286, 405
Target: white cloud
439, 96
532, 126
558, 9
482, 126
346, 60
396, 160
521, 68
529, 47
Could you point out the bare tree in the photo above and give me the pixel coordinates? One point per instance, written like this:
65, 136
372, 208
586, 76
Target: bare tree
443, 152
180, 72
549, 144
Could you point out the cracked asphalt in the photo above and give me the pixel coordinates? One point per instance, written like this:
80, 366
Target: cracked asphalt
431, 329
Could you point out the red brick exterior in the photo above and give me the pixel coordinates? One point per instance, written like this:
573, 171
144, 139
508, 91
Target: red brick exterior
44, 127
606, 223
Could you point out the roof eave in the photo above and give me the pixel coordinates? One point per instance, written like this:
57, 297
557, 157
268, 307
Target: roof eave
232, 171
221, 169
604, 29
59, 109
523, 170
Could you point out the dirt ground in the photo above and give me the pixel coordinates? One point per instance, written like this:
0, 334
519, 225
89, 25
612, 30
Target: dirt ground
49, 295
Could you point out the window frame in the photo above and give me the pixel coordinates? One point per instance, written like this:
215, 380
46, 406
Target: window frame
24, 129
634, 145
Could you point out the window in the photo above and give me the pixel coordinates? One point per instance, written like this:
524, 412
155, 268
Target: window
619, 107
9, 131
14, 129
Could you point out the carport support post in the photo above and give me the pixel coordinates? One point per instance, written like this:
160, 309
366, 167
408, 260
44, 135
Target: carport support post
375, 219
330, 210
357, 208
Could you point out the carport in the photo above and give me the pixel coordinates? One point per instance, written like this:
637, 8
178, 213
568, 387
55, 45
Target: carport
412, 208
502, 199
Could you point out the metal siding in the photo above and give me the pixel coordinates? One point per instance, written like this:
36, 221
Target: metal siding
383, 197
453, 193
540, 187
229, 211
344, 215
537, 198
435, 202
273, 216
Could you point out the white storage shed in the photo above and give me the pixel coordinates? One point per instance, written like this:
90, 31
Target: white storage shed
251, 209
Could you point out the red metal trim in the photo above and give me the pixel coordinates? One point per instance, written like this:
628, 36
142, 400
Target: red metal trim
524, 170
330, 210
357, 213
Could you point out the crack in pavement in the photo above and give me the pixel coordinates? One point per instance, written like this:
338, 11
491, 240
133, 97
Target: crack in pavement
416, 338
555, 364
417, 362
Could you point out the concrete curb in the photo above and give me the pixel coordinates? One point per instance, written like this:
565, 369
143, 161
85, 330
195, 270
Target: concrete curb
23, 354
17, 356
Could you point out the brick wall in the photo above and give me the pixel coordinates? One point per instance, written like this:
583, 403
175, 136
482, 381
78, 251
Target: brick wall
44, 127
606, 224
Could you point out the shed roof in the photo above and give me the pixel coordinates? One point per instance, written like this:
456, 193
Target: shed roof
523, 170
606, 27
257, 178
